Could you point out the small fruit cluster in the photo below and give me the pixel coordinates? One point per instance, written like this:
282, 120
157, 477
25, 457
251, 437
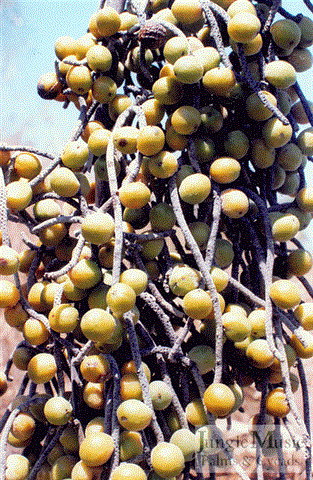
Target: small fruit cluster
165, 231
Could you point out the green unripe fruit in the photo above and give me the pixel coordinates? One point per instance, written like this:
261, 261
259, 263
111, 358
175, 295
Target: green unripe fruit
285, 33
299, 262
162, 217
256, 109
224, 253
204, 357
204, 149
301, 59
306, 27
290, 157
236, 144
201, 233
152, 248
131, 445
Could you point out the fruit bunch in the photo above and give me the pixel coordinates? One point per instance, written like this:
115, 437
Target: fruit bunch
161, 272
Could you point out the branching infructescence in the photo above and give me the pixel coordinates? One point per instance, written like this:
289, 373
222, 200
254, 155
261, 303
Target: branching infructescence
149, 123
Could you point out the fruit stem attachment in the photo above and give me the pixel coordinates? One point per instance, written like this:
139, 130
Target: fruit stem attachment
3, 211
205, 273
304, 102
256, 88
74, 260
309, 5
288, 390
207, 7
141, 375
43, 455
115, 427
216, 216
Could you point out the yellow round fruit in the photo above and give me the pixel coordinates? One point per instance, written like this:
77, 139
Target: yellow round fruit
219, 399
285, 294
42, 368
167, 460
96, 449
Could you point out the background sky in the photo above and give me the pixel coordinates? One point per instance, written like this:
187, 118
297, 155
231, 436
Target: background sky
28, 33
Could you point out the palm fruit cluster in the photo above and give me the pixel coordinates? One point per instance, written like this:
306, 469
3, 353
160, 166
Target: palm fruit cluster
162, 272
